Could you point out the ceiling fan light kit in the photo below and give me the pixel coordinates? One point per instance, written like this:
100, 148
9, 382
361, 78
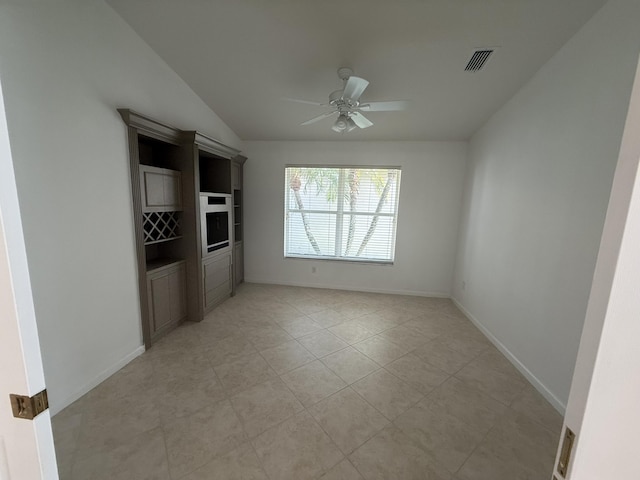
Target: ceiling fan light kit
344, 124
340, 125
346, 103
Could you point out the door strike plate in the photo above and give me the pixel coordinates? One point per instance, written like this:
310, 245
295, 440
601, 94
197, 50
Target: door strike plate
565, 452
29, 407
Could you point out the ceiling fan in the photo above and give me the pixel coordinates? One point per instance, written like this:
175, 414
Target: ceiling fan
346, 103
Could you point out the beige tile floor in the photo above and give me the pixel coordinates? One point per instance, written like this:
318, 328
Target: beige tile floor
292, 383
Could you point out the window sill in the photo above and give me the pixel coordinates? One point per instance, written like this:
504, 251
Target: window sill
364, 261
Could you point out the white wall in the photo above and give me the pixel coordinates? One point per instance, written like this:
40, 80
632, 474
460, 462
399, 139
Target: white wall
65, 66
430, 201
537, 189
28, 451
605, 393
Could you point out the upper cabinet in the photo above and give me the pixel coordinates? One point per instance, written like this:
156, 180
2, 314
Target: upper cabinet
161, 189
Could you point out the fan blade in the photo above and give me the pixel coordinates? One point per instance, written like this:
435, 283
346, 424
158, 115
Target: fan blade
384, 106
308, 102
354, 88
318, 118
360, 120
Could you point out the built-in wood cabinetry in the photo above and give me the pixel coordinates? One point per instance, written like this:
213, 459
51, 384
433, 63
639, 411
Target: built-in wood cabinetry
178, 280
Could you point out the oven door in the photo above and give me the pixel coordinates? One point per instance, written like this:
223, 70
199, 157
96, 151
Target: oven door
217, 228
215, 223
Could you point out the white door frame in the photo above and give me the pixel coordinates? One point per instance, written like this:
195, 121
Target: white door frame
604, 404
26, 446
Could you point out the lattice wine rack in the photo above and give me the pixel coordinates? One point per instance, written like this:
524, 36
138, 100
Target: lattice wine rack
160, 226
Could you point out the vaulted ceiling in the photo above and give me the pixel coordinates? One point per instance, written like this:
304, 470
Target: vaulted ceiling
243, 56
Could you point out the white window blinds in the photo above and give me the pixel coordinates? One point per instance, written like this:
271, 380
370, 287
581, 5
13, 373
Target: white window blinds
341, 212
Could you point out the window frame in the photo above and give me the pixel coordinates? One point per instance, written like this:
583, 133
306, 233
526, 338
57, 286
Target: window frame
340, 212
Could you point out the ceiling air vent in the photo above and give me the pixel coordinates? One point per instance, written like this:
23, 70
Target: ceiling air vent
478, 59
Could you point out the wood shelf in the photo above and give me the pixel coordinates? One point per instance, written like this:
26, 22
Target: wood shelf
162, 240
160, 263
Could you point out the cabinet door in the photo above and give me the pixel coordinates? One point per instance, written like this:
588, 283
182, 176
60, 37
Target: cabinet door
159, 302
161, 189
167, 296
178, 294
152, 189
172, 191
216, 272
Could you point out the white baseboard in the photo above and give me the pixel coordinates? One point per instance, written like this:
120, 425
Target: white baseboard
538, 385
335, 286
101, 377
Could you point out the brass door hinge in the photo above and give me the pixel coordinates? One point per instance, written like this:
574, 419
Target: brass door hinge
565, 452
29, 407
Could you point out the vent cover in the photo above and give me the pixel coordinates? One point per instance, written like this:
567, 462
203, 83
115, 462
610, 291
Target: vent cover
478, 59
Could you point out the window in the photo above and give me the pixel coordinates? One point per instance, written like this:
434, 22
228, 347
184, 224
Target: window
346, 213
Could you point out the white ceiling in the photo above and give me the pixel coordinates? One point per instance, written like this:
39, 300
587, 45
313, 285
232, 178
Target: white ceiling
242, 56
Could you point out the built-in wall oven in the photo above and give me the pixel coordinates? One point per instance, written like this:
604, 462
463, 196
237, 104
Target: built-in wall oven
215, 222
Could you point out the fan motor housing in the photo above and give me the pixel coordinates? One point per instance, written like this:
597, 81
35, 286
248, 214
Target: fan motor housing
342, 104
